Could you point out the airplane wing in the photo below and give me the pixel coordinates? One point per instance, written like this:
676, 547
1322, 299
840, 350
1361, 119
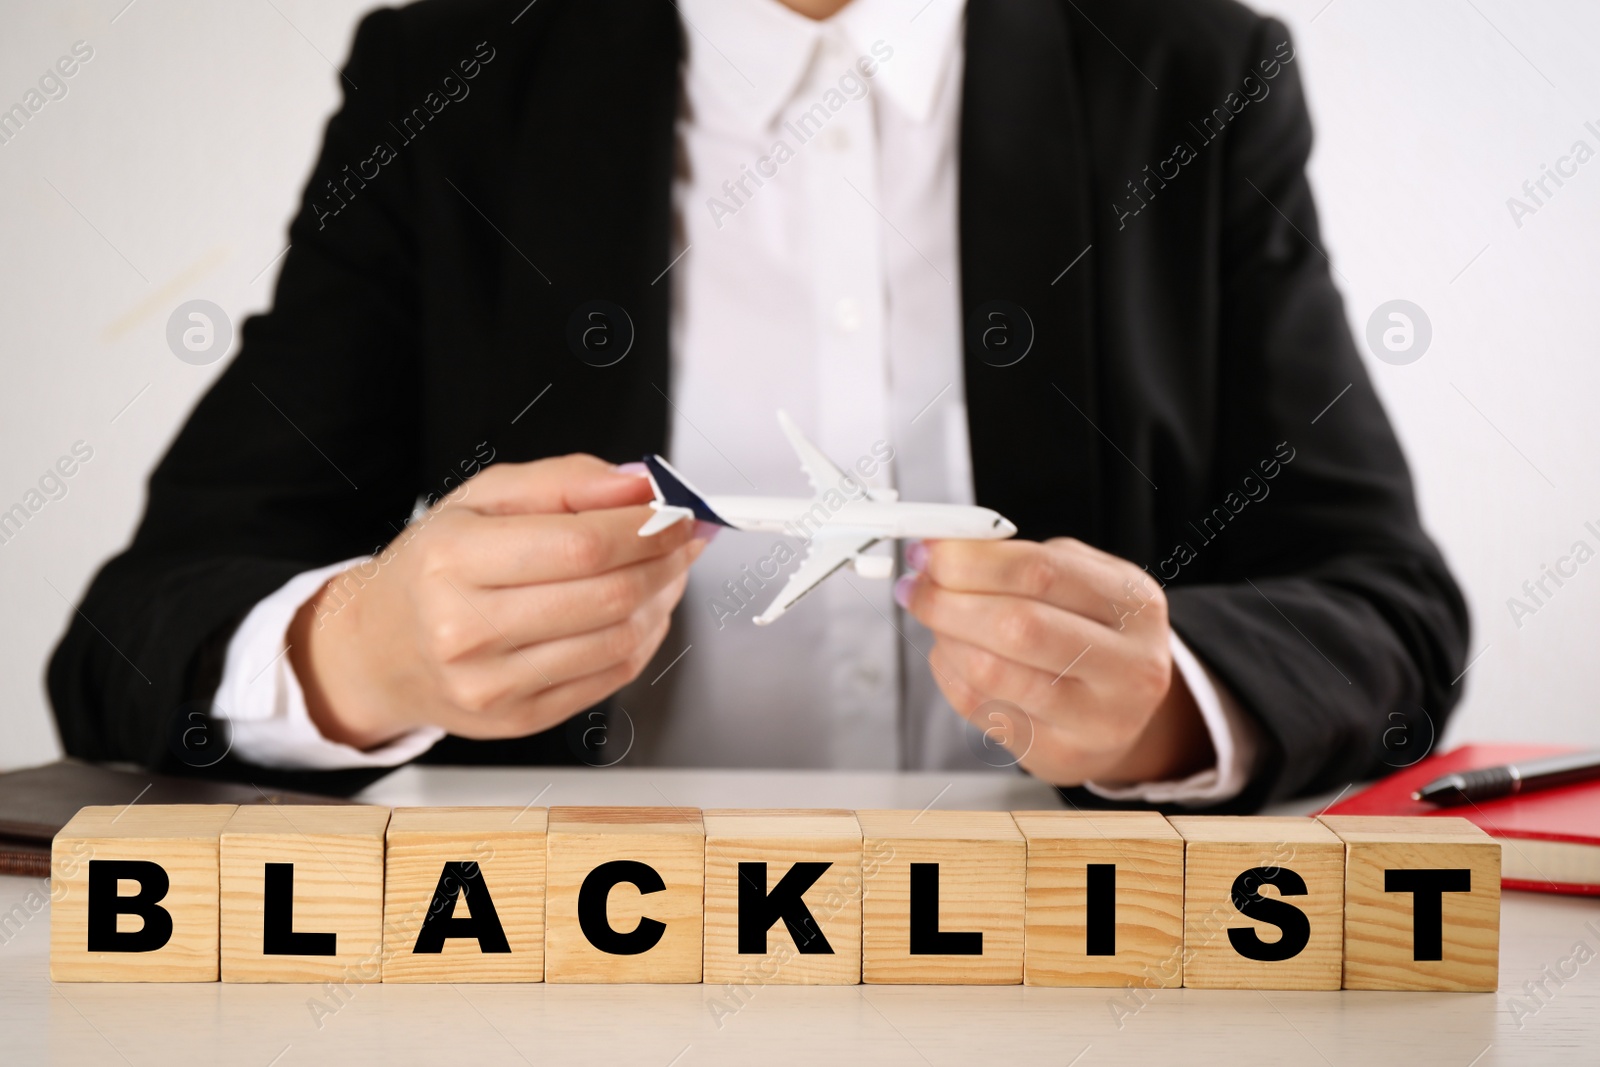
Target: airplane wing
822, 472
826, 554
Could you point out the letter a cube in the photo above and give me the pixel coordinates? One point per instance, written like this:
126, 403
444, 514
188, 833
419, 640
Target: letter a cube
464, 895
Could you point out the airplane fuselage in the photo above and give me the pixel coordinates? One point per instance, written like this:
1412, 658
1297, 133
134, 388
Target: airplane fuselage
806, 517
839, 528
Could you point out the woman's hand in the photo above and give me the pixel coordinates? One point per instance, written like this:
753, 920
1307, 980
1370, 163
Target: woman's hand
1077, 639
521, 599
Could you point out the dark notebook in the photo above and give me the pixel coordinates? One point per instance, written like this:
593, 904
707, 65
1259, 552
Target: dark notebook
38, 801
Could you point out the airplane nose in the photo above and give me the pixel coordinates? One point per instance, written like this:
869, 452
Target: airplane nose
1001, 526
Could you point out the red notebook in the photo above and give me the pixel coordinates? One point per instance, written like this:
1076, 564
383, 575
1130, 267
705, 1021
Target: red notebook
1551, 836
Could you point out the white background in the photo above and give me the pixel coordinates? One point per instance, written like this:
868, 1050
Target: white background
171, 168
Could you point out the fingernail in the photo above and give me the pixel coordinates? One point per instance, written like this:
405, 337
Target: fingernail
902, 589
632, 468
917, 556
706, 531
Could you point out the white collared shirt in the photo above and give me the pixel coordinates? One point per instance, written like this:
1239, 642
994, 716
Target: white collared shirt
816, 269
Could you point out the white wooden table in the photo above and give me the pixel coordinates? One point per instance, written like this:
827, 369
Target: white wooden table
658, 1026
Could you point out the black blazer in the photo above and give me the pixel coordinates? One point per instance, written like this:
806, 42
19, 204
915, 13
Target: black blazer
452, 228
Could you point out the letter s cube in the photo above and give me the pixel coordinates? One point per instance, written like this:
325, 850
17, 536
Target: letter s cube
1263, 902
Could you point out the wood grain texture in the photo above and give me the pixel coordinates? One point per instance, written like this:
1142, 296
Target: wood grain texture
337, 853
1381, 928
506, 848
1147, 854
669, 840
781, 839
183, 840
1218, 849
1014, 1026
1021, 881
982, 868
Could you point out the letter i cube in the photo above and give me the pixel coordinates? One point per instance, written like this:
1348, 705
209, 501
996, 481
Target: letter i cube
1105, 899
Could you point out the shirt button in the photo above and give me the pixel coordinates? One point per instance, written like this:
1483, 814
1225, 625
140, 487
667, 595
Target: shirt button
847, 315
868, 676
836, 140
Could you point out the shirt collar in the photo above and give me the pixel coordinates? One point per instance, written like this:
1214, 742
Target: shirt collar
753, 54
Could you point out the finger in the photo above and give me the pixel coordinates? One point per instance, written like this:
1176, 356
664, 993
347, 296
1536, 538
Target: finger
956, 689
1019, 728
507, 673
527, 711
1000, 721
545, 486
1057, 704
568, 658
523, 715
1031, 632
514, 550
1066, 573
992, 676
526, 615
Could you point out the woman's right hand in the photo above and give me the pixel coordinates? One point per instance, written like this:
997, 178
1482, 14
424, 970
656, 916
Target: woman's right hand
522, 598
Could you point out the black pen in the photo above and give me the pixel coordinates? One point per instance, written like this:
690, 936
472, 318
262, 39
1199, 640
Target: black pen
1488, 783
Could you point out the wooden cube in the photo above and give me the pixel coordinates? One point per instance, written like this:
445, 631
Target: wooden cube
134, 894
463, 897
302, 893
624, 895
1263, 902
783, 897
943, 901
1422, 903
1104, 899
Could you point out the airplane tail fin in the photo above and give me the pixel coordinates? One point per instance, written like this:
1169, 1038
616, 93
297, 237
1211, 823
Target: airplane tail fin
664, 515
675, 500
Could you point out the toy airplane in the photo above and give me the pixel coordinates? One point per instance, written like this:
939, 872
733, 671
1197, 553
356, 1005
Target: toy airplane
834, 535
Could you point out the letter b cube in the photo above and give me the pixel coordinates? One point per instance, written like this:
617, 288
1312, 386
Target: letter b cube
134, 894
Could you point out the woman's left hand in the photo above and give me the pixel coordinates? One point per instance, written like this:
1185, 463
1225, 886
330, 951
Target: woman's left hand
1075, 638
